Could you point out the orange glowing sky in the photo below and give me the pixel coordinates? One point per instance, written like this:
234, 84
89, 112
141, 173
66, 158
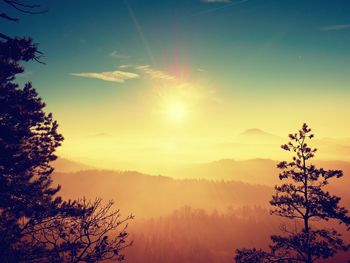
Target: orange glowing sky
152, 84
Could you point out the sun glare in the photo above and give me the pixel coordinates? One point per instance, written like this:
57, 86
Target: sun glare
176, 111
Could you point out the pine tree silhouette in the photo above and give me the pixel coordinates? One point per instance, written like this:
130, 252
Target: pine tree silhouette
28, 139
35, 224
303, 198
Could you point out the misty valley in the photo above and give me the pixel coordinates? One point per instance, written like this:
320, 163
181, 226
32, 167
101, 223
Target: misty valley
221, 206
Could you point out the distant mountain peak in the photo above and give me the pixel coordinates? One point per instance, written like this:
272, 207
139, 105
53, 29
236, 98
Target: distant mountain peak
101, 135
259, 136
254, 131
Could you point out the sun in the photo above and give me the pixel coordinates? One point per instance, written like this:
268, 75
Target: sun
176, 111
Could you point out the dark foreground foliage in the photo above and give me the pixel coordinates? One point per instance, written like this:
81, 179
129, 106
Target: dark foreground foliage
35, 224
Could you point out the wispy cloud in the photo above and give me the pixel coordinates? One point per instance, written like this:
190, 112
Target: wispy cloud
118, 55
123, 66
335, 27
113, 76
217, 1
154, 73
120, 76
226, 4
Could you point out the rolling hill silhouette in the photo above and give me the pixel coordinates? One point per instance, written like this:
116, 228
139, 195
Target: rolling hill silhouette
254, 171
147, 195
215, 185
69, 166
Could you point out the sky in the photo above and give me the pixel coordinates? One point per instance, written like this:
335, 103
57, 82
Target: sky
165, 80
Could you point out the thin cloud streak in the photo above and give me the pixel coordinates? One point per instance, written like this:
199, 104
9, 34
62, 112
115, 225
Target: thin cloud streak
335, 27
124, 66
118, 55
112, 76
217, 1
154, 73
119, 76
218, 8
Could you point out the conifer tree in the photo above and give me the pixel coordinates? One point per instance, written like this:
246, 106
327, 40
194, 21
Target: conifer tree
303, 198
35, 224
28, 139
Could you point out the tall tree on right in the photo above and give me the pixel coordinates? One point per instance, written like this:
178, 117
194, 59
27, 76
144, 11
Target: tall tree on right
303, 198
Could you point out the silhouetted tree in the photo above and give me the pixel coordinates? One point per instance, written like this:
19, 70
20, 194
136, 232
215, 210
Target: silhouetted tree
303, 198
28, 138
92, 236
30, 210
20, 6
